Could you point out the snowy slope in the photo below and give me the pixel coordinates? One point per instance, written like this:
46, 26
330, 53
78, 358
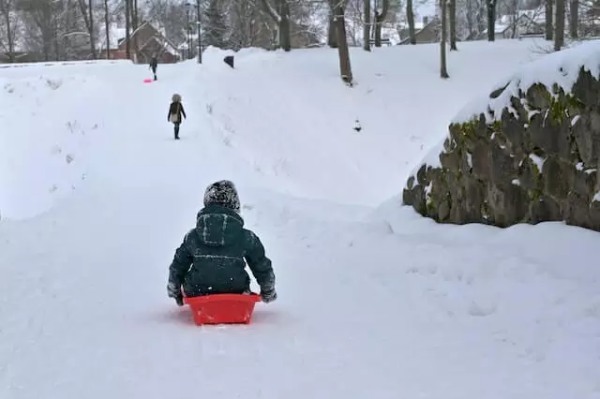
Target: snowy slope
374, 302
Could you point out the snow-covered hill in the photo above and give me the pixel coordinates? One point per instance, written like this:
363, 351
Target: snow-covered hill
374, 301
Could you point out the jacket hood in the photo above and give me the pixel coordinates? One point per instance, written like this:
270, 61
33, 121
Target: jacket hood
218, 226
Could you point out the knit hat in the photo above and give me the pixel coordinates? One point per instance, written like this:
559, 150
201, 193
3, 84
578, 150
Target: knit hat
222, 193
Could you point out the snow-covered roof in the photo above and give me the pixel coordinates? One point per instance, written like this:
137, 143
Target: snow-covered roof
537, 16
116, 34
171, 48
499, 28
418, 25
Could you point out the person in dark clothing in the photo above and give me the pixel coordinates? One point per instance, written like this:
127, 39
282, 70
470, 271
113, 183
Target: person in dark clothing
153, 66
176, 111
214, 254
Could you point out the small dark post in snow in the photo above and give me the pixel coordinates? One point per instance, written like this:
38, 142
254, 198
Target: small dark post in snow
229, 60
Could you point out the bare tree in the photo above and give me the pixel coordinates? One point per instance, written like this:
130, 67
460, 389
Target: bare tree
410, 17
41, 25
249, 27
514, 16
549, 6
281, 16
306, 20
475, 15
452, 6
88, 19
171, 16
7, 12
559, 34
443, 68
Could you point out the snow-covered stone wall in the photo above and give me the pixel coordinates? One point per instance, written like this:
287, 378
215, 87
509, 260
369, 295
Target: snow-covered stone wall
528, 153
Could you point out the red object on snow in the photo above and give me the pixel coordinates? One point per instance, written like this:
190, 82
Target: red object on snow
148, 80
222, 308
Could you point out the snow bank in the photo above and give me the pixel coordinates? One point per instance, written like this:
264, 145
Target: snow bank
391, 308
397, 103
49, 119
561, 68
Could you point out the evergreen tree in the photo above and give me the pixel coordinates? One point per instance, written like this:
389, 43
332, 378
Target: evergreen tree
215, 27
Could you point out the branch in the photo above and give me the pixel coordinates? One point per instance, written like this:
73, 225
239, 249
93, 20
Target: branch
271, 11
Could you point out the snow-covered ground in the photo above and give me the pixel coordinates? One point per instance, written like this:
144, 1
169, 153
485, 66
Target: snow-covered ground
375, 302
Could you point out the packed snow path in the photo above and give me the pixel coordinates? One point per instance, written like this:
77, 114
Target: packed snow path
373, 303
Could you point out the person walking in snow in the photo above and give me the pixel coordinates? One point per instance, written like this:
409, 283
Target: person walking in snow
153, 66
176, 111
214, 254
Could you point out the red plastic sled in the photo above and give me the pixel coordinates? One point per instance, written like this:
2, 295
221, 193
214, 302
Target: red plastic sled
222, 308
148, 80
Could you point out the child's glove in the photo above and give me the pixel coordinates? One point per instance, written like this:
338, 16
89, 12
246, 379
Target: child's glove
268, 295
174, 291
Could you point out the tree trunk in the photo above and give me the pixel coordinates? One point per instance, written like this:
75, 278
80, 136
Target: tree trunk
452, 5
549, 20
331, 34
367, 25
282, 18
379, 18
481, 17
410, 17
559, 34
134, 26
343, 51
127, 28
443, 69
574, 19
514, 11
87, 14
491, 20
285, 36
107, 27
92, 37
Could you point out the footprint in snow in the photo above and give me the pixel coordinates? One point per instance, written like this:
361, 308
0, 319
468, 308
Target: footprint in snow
482, 310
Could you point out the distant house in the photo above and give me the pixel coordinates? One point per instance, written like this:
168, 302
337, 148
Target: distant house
525, 23
145, 42
428, 33
403, 28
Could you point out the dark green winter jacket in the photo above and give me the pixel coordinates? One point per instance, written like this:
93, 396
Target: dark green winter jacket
213, 256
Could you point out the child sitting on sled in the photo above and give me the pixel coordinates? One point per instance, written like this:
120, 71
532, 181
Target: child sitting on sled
213, 255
